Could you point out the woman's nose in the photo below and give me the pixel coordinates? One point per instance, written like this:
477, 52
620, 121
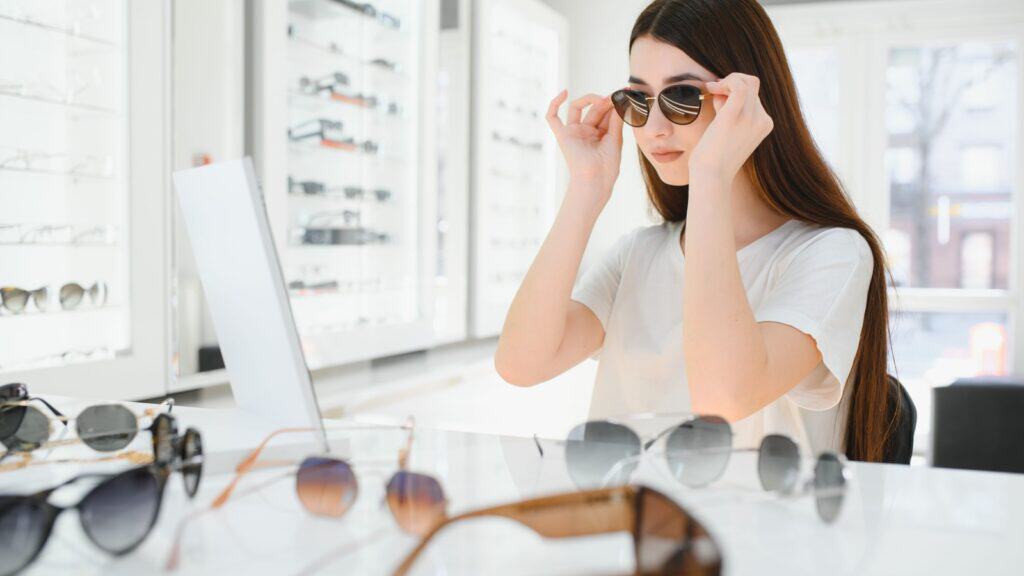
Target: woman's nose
657, 125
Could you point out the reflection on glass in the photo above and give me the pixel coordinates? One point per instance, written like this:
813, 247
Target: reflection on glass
951, 118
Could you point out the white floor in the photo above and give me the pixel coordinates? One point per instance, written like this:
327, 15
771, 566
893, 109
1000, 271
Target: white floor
452, 388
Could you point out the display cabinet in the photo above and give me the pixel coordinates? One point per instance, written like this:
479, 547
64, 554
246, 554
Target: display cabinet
343, 141
520, 61
83, 177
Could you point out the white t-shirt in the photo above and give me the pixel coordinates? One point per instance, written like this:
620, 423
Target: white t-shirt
812, 278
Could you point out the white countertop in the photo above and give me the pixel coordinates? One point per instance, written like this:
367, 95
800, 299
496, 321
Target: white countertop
896, 519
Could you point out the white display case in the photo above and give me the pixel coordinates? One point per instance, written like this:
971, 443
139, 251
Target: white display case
520, 50
343, 142
82, 184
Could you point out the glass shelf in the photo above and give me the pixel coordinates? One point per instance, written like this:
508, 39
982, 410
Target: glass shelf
63, 184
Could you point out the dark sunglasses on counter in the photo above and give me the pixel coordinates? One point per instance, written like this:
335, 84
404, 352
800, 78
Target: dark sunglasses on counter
681, 104
117, 514
697, 452
667, 540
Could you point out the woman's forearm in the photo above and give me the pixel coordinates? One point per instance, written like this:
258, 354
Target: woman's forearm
535, 324
724, 348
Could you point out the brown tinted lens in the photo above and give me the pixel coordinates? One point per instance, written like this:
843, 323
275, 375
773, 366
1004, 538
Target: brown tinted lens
632, 106
14, 299
669, 543
417, 501
71, 296
164, 430
41, 297
326, 486
680, 104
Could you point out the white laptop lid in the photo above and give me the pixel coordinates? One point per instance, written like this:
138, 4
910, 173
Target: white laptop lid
234, 250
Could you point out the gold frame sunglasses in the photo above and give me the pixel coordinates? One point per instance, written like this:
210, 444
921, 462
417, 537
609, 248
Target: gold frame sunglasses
680, 103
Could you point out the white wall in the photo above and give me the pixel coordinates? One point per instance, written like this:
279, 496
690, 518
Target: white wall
209, 119
599, 63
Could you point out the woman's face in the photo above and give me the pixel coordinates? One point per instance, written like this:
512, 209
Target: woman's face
653, 66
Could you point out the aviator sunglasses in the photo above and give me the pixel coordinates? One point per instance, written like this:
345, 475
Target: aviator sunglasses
680, 104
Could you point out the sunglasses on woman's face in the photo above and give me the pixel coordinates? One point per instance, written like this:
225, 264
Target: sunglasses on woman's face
680, 104
666, 539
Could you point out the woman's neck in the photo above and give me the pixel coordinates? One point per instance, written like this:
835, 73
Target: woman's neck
752, 217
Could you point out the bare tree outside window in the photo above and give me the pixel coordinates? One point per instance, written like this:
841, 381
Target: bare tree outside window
929, 113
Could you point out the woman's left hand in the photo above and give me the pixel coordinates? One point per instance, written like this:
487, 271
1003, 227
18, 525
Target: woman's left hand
740, 125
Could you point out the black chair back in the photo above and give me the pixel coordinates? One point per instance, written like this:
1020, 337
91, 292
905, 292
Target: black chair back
977, 425
900, 447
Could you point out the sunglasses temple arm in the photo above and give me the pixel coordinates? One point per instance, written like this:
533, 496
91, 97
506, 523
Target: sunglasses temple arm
247, 464
60, 415
174, 556
403, 453
617, 468
540, 448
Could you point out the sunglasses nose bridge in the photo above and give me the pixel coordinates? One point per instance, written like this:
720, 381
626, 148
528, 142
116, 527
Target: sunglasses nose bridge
656, 124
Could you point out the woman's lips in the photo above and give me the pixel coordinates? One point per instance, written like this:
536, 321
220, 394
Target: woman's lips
666, 156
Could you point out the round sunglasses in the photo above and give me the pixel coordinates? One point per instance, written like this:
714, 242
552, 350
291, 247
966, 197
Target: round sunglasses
680, 104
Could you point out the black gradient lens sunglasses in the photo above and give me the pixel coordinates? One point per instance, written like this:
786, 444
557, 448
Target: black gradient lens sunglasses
680, 104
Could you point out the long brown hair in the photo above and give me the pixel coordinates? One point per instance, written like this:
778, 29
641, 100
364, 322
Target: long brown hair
790, 174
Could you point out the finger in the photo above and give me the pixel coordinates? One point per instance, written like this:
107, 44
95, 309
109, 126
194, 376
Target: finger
737, 94
552, 116
605, 120
598, 111
577, 106
615, 126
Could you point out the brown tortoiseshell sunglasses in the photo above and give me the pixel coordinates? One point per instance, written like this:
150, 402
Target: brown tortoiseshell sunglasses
667, 541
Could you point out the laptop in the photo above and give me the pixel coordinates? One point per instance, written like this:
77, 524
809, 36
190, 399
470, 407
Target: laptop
234, 249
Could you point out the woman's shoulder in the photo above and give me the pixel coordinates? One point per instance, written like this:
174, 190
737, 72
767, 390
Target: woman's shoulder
646, 236
809, 241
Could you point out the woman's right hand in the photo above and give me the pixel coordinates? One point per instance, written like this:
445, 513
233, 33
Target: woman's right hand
592, 145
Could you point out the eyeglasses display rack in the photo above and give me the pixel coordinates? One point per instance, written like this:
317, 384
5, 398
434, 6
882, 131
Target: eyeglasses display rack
73, 290
520, 50
344, 148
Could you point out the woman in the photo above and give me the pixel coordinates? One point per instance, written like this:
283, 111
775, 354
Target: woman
762, 298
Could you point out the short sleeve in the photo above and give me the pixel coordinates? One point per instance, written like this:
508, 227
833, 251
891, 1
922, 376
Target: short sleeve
822, 291
597, 286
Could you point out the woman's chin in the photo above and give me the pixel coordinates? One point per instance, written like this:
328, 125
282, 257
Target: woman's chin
674, 177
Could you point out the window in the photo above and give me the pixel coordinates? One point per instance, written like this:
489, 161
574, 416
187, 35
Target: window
933, 129
976, 260
979, 168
